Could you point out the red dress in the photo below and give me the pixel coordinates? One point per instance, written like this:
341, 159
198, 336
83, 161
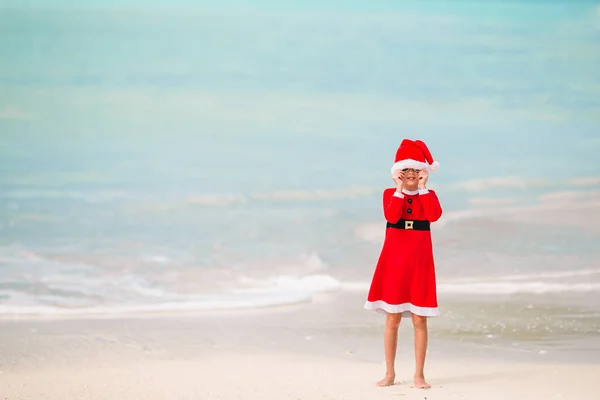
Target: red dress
404, 279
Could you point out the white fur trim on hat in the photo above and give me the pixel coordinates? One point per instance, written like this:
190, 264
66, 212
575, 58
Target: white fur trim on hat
409, 163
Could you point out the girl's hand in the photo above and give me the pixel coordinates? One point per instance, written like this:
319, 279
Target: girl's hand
423, 176
398, 178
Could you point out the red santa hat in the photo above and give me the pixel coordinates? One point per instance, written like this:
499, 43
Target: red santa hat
414, 154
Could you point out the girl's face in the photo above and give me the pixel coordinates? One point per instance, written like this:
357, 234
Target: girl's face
411, 178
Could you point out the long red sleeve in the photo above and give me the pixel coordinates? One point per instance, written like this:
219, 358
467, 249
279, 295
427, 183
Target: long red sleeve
431, 207
393, 206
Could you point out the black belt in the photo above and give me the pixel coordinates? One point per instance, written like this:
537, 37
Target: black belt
417, 225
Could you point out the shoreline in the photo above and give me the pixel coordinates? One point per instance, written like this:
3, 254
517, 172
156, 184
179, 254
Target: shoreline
331, 324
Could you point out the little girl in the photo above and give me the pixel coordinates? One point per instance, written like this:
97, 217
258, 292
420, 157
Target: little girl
404, 281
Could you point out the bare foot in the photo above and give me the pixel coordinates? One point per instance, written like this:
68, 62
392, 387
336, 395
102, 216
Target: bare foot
388, 380
420, 382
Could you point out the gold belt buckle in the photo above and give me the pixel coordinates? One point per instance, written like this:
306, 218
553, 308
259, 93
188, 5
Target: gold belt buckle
408, 224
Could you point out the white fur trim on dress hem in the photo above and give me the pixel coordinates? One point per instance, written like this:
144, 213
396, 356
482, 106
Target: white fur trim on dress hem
406, 309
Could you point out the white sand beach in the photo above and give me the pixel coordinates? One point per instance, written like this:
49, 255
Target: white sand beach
298, 353
282, 376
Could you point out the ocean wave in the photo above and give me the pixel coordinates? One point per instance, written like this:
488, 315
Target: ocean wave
310, 284
272, 292
231, 302
34, 285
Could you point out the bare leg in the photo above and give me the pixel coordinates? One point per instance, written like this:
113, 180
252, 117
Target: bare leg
390, 340
420, 326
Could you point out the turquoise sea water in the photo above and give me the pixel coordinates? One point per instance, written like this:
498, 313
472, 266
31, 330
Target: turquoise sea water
194, 155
